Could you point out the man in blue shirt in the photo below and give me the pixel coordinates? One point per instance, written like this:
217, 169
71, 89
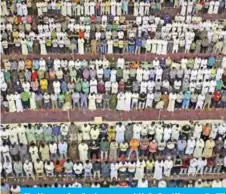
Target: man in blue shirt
107, 74
166, 19
132, 43
36, 64
56, 132
186, 101
83, 98
211, 62
181, 145
138, 45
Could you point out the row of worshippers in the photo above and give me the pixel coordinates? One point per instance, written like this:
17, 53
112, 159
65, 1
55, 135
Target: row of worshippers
53, 83
68, 8
122, 183
127, 101
113, 7
27, 133
105, 141
191, 7
150, 34
134, 169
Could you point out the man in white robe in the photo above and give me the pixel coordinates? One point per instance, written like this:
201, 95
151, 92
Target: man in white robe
199, 148
192, 167
158, 170
201, 164
168, 165
190, 146
83, 151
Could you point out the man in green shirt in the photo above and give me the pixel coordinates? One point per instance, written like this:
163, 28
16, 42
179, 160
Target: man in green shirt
48, 44
85, 86
78, 86
104, 148
25, 97
219, 85
18, 168
68, 98
7, 76
61, 100
68, 166
41, 74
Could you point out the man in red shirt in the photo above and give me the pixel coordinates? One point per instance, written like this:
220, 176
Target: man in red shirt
216, 98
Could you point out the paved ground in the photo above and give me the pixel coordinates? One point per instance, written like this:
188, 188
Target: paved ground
110, 115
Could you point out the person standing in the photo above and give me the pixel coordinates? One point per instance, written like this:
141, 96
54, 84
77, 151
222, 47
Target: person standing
63, 148
168, 165
44, 152
83, 151
18, 168
208, 149
78, 169
120, 131
199, 148
172, 99
33, 150
104, 148
186, 100
113, 151
28, 169
19, 106
134, 144
158, 169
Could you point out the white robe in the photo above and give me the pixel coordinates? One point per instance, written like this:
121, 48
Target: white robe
19, 106
211, 6
12, 107
120, 131
64, 9
110, 46
22, 135
4, 10
168, 165
24, 10
190, 147
189, 7
83, 152
127, 104
154, 47
159, 47
32, 102
197, 132
43, 47
149, 101
92, 102
120, 102
164, 48
69, 9
183, 8
114, 171
171, 105
81, 46
24, 47
198, 149
158, 170
216, 7
139, 171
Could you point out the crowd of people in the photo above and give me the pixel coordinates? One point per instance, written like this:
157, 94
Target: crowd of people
109, 35
128, 154
122, 85
115, 151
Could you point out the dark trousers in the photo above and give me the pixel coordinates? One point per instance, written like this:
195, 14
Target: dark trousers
26, 104
94, 152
